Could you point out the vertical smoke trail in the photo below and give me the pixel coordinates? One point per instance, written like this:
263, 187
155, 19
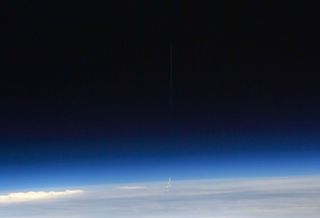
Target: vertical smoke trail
168, 186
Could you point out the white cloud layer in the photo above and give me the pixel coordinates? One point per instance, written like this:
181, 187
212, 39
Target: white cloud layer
31, 196
239, 198
131, 187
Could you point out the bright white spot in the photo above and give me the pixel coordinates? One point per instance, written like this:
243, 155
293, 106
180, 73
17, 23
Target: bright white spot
30, 196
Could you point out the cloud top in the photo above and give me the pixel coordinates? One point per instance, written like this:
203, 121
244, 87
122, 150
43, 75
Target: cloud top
291, 197
132, 187
32, 196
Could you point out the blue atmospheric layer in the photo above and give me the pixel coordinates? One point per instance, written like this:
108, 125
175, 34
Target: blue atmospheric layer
79, 162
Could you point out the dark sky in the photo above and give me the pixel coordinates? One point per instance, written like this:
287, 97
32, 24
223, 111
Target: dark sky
75, 74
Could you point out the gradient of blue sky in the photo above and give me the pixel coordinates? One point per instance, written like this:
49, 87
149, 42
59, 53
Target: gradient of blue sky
85, 92
88, 162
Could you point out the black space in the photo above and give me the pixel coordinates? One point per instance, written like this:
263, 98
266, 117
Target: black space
69, 64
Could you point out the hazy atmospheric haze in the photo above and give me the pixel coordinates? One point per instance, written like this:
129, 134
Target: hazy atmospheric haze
293, 197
